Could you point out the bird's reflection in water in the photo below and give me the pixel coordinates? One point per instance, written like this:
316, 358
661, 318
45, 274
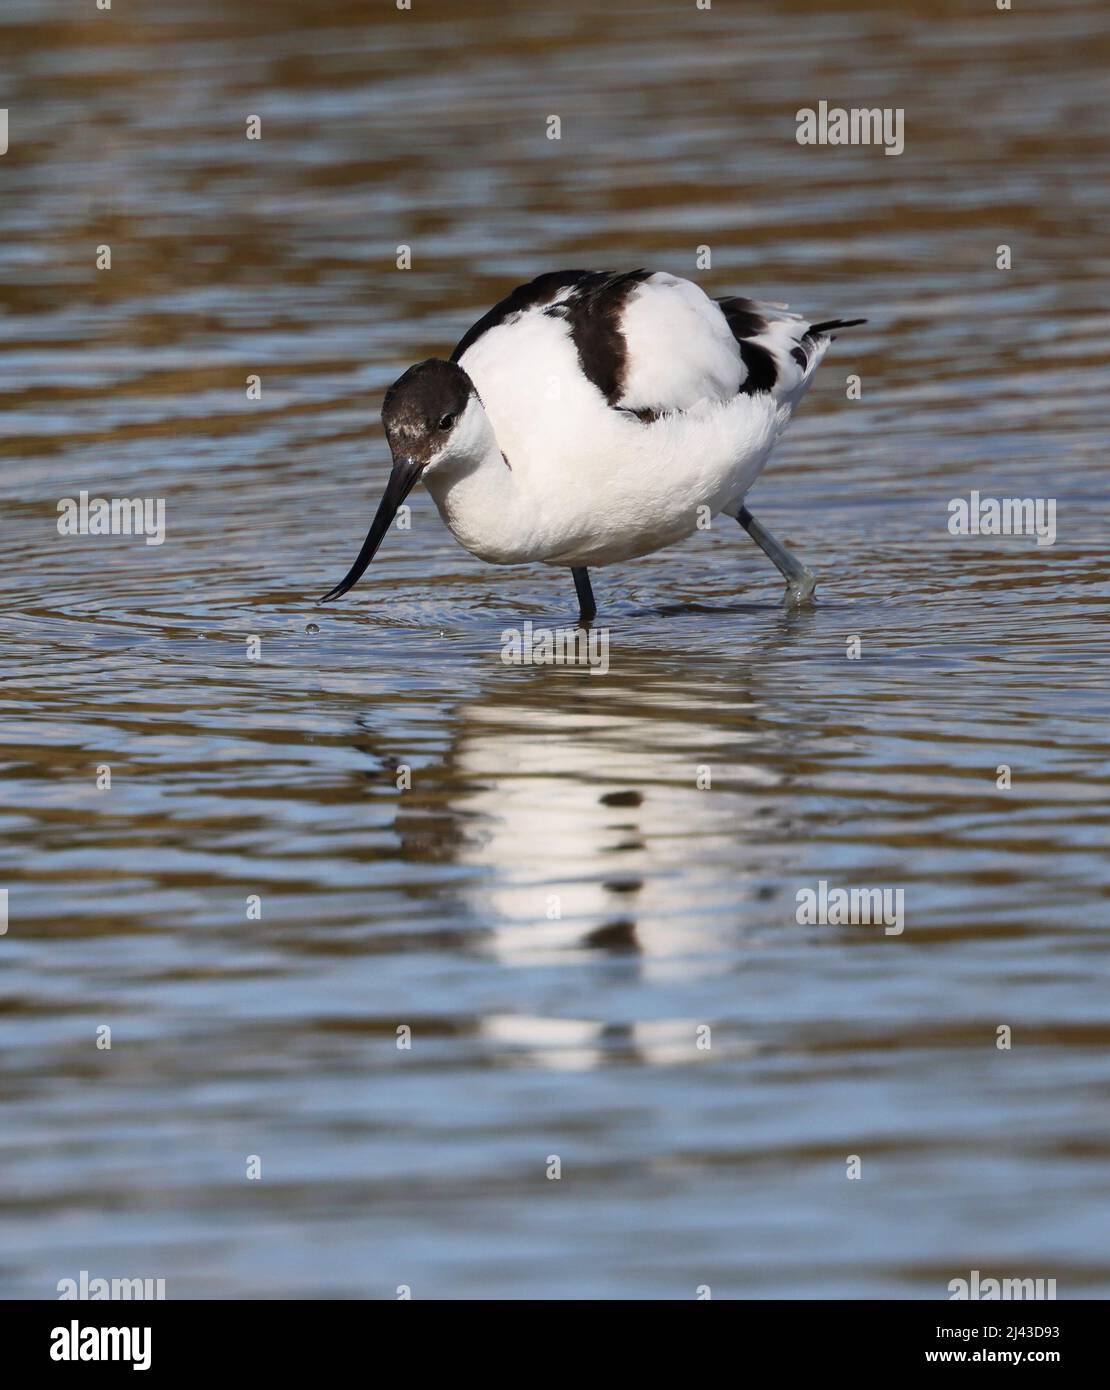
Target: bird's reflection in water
637, 814
576, 1044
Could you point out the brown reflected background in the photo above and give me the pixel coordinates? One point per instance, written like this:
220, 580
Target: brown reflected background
574, 1034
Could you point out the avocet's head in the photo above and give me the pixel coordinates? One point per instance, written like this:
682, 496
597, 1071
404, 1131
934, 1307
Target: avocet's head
432, 419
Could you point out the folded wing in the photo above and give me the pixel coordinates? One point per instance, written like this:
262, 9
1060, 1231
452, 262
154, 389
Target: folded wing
652, 343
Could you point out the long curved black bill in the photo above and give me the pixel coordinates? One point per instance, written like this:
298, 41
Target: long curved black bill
402, 480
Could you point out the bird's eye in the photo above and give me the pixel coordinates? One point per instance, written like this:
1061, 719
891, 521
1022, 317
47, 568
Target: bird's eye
447, 421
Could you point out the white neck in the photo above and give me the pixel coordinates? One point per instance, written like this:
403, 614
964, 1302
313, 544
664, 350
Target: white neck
477, 494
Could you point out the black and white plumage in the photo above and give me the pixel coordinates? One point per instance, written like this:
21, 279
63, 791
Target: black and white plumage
590, 417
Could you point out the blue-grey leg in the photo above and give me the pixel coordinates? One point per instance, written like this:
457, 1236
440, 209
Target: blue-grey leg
800, 581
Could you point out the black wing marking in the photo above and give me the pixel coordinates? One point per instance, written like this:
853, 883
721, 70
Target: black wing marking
593, 311
748, 319
591, 306
541, 290
745, 317
807, 343
830, 324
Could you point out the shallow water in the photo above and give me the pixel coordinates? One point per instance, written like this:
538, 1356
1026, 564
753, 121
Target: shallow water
431, 907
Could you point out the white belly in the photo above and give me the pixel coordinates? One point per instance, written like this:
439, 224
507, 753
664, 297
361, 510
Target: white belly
665, 483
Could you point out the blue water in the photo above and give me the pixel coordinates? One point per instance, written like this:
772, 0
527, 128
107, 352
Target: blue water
554, 907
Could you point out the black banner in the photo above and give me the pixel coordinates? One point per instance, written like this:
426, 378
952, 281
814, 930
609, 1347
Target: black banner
175, 1339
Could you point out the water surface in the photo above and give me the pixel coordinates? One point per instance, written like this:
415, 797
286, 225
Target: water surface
432, 908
